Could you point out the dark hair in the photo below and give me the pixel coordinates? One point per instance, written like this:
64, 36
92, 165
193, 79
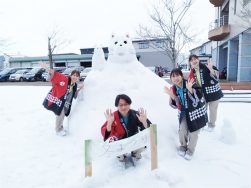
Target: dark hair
176, 71
192, 56
75, 72
124, 97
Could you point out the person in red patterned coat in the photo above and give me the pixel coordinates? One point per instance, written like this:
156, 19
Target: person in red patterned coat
124, 122
59, 98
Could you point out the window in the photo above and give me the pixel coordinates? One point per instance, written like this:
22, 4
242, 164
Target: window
60, 64
159, 44
143, 45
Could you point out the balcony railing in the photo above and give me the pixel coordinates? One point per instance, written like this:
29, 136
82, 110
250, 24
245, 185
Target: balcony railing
219, 29
219, 22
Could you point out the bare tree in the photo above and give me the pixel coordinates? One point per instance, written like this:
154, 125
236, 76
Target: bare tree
168, 17
245, 13
55, 41
4, 44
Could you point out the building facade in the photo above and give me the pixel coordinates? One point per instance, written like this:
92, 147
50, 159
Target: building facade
231, 36
149, 52
152, 53
4, 61
59, 60
204, 51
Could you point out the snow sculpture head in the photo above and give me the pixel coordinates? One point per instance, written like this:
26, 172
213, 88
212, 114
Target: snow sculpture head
98, 58
121, 50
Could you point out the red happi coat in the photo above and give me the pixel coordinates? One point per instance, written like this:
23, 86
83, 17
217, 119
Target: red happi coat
56, 98
117, 129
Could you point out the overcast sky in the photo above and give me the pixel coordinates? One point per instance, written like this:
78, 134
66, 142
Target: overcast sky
85, 23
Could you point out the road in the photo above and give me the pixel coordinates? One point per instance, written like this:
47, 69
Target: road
25, 84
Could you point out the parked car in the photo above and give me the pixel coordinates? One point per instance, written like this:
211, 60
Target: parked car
157, 70
5, 74
151, 69
35, 74
19, 75
68, 71
84, 73
56, 69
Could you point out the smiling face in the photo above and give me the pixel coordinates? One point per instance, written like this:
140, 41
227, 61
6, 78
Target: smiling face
194, 62
74, 78
176, 77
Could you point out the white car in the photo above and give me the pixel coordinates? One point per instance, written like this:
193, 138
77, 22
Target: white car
19, 75
84, 73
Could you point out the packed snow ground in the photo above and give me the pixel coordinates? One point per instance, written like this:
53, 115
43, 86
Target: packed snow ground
32, 155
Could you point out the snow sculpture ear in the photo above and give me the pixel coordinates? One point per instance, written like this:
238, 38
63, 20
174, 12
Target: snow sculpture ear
98, 58
96, 46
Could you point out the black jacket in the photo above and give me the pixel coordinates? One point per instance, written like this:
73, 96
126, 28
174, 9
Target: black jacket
209, 83
195, 110
134, 125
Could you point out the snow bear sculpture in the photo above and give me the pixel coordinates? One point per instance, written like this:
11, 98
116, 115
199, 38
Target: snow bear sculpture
121, 50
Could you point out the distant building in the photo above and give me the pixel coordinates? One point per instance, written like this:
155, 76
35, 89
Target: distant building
151, 53
59, 60
4, 61
204, 51
231, 36
148, 52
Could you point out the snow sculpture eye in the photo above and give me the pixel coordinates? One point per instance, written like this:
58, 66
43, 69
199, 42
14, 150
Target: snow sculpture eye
125, 42
115, 42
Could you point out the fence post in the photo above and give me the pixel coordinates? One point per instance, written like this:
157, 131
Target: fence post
153, 144
88, 159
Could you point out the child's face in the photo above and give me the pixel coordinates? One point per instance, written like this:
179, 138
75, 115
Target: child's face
176, 79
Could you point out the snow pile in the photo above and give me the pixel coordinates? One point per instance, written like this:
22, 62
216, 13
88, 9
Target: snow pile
32, 155
228, 134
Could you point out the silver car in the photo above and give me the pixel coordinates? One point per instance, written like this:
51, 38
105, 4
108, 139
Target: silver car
19, 75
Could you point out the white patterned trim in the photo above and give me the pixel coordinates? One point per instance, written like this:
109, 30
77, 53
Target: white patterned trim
213, 89
197, 113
